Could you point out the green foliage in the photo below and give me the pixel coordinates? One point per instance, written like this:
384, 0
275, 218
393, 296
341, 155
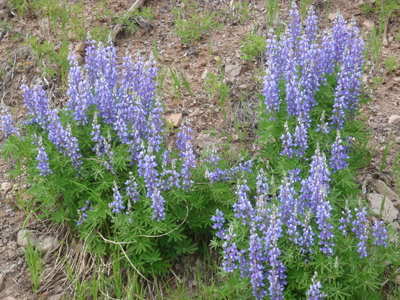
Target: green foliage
128, 21
191, 24
272, 11
374, 45
53, 62
253, 46
216, 88
20, 6
150, 246
35, 266
391, 63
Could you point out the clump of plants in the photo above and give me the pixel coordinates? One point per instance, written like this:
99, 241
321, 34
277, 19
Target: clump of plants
298, 228
102, 163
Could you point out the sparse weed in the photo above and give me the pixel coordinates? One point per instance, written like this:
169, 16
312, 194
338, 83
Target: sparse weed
35, 266
216, 88
391, 63
272, 11
179, 83
129, 21
253, 46
191, 24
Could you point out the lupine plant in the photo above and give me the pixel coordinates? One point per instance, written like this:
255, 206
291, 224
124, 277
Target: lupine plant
306, 236
102, 165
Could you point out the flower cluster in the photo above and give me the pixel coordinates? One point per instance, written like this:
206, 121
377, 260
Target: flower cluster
117, 102
303, 60
7, 125
356, 221
229, 174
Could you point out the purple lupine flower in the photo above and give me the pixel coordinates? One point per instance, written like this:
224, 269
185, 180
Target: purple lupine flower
311, 25
158, 205
287, 142
345, 221
7, 125
340, 37
231, 255
102, 146
315, 188
257, 261
276, 275
314, 192
243, 210
229, 174
300, 138
294, 174
294, 27
213, 158
83, 213
339, 156
306, 239
323, 126
323, 215
77, 92
43, 160
262, 187
314, 292
37, 103
63, 139
379, 233
184, 145
360, 229
218, 223
132, 191
148, 170
117, 206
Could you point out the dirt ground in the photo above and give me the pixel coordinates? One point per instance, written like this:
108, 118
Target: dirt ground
219, 53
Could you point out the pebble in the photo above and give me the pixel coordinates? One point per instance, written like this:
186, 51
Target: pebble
382, 206
394, 119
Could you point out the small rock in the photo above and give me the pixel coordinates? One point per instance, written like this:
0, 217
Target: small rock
47, 244
382, 206
332, 16
2, 281
397, 279
175, 119
382, 188
394, 119
8, 298
204, 74
25, 237
232, 71
368, 24
206, 141
5, 187
56, 297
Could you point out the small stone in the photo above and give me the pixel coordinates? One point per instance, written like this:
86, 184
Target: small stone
25, 237
204, 74
368, 24
5, 187
332, 16
2, 281
232, 71
56, 297
394, 119
382, 188
8, 298
382, 206
175, 119
397, 279
47, 244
